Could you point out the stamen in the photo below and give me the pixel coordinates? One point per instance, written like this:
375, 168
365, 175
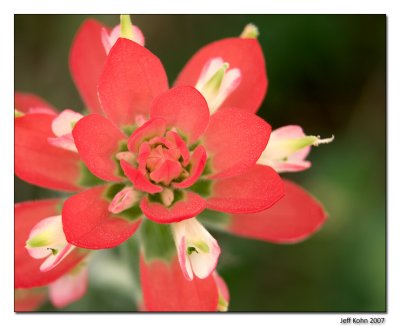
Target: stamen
323, 141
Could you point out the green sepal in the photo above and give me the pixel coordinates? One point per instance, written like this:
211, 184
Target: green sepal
112, 189
128, 130
122, 147
157, 241
88, 179
202, 187
131, 214
207, 168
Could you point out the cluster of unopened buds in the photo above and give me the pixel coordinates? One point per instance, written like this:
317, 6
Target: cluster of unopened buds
155, 163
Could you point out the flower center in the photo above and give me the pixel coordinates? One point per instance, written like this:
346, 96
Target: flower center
164, 159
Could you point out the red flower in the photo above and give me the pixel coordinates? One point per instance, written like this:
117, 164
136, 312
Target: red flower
163, 156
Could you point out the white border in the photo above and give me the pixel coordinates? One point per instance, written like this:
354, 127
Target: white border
9, 8
202, 7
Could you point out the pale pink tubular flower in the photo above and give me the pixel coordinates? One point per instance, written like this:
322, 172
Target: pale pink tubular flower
217, 81
288, 148
70, 287
47, 240
123, 200
198, 251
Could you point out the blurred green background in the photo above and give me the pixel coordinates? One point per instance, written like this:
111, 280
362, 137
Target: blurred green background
327, 73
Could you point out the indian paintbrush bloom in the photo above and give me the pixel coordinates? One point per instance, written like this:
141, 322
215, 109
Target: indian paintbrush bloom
157, 162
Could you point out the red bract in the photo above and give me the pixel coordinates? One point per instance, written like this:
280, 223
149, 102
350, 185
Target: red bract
39, 162
295, 217
166, 289
165, 158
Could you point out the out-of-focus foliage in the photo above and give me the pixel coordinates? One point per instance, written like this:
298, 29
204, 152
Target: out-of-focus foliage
328, 74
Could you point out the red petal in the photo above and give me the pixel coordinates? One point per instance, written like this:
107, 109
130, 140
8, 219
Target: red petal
88, 223
245, 54
86, 62
295, 217
234, 141
38, 162
27, 272
97, 140
30, 103
198, 161
152, 128
191, 205
253, 191
138, 179
166, 289
131, 79
184, 108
